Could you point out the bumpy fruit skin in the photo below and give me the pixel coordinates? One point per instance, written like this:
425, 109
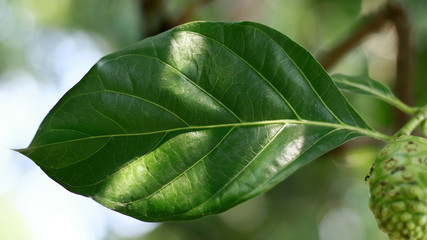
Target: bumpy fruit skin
398, 188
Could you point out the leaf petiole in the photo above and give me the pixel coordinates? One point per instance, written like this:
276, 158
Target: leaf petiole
402, 106
410, 126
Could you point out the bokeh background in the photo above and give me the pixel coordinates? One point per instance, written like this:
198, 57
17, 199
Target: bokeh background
46, 46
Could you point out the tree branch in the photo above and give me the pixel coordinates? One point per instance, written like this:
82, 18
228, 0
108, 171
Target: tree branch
153, 17
372, 25
404, 61
155, 20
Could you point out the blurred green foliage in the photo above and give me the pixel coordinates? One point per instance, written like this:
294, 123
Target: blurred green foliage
117, 21
325, 200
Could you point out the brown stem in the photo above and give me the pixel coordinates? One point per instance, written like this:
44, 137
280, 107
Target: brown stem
156, 21
152, 17
404, 61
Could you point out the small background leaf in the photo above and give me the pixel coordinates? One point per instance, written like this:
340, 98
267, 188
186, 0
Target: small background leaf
368, 86
193, 121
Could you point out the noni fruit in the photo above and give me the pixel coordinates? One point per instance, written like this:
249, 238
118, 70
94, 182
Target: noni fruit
398, 188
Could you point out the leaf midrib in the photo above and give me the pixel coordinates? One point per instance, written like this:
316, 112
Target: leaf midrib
364, 131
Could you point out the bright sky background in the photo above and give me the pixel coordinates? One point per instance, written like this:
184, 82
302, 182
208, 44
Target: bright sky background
34, 206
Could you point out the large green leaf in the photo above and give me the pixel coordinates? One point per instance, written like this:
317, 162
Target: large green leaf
193, 121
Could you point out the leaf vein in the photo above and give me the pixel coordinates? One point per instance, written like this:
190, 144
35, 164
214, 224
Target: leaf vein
301, 72
254, 69
283, 168
186, 78
367, 132
240, 172
186, 170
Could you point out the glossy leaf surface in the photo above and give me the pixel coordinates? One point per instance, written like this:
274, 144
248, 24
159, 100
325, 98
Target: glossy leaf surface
193, 121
